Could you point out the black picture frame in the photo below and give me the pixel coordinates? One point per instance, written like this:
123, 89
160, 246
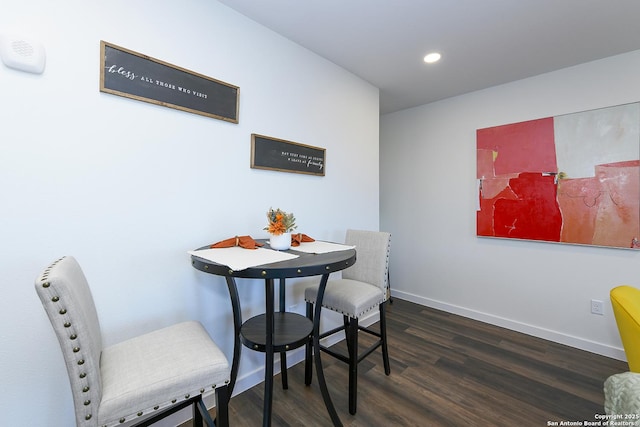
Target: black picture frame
286, 156
133, 75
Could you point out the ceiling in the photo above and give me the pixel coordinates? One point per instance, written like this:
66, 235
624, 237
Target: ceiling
483, 43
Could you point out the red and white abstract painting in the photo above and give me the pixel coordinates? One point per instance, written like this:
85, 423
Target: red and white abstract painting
573, 178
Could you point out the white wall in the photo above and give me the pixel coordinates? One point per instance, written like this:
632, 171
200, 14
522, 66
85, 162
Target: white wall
428, 201
128, 187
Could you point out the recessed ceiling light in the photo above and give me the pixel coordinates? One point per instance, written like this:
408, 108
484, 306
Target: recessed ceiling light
432, 57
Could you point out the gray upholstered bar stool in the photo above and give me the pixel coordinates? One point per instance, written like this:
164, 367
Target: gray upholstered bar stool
140, 380
363, 287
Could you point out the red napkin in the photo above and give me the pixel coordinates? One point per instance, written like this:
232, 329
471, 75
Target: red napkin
243, 241
298, 238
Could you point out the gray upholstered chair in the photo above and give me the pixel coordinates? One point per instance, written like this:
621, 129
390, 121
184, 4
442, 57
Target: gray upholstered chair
141, 379
362, 288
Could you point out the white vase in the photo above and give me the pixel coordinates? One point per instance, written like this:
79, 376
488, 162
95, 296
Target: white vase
280, 242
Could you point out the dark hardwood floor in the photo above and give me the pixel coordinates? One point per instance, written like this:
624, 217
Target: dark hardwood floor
446, 370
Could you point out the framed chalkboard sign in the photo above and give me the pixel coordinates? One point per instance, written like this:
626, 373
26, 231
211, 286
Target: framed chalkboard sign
286, 156
133, 75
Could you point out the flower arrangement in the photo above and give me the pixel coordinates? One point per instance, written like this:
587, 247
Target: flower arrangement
280, 222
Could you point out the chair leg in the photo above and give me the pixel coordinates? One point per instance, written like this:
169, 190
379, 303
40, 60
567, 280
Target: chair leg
201, 416
197, 415
308, 361
346, 321
352, 345
222, 406
383, 337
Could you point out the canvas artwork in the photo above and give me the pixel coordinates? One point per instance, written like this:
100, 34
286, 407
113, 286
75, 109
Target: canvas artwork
573, 178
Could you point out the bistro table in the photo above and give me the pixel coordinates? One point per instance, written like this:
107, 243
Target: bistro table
277, 332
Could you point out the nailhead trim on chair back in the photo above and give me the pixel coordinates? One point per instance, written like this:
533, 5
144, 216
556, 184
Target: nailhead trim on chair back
372, 259
67, 300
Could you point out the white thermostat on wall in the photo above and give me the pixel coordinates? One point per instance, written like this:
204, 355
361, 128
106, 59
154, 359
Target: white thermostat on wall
22, 54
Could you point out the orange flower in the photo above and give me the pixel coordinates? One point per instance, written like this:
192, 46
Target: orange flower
280, 222
276, 228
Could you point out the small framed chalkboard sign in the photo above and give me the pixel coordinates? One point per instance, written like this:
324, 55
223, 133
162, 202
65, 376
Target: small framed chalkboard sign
286, 156
130, 74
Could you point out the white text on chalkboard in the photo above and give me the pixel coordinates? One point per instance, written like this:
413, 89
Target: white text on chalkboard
302, 158
114, 69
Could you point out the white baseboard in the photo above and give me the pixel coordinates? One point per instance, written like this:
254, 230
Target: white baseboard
547, 334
